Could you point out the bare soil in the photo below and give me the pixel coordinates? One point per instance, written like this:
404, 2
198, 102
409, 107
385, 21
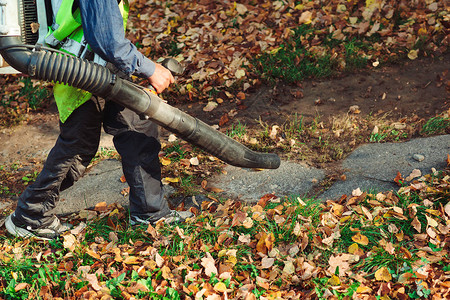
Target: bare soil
420, 87
414, 88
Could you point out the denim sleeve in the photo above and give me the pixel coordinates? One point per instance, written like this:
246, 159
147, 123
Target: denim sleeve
103, 30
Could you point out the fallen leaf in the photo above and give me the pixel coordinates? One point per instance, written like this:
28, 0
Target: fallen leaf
360, 239
382, 274
220, 287
20, 286
416, 224
131, 260
209, 264
267, 262
194, 161
70, 242
210, 106
165, 161
413, 54
289, 268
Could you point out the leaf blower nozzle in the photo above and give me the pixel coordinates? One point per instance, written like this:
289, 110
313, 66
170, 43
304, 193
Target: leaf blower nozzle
54, 67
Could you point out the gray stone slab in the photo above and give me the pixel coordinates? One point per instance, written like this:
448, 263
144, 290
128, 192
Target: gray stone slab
374, 166
250, 185
101, 184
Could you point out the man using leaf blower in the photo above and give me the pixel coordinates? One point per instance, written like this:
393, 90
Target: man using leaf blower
94, 30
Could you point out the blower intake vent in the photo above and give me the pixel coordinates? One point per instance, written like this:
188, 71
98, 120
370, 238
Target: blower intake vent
28, 16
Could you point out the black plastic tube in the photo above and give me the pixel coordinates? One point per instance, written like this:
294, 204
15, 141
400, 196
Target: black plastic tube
100, 81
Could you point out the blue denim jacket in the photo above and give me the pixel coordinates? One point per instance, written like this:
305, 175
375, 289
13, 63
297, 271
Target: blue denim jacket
103, 30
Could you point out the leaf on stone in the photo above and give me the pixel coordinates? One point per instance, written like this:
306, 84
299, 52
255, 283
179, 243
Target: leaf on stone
414, 174
399, 179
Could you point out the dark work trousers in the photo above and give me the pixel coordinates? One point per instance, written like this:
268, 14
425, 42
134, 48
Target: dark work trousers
136, 141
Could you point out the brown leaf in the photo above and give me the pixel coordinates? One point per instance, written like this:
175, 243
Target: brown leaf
123, 179
416, 224
270, 239
399, 179
102, 206
238, 218
224, 120
20, 286
261, 245
152, 231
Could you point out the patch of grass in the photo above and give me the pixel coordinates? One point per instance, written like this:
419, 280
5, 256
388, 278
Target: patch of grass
237, 130
436, 125
175, 152
299, 58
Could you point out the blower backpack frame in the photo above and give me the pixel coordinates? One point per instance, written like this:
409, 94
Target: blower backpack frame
20, 30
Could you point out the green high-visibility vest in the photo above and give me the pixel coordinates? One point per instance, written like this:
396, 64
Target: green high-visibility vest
66, 34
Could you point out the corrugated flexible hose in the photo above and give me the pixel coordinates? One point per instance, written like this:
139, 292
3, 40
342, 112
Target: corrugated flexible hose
54, 67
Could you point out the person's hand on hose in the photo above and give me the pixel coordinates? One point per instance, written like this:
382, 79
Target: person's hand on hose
161, 78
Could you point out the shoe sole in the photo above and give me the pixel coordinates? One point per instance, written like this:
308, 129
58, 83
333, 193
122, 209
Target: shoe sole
21, 232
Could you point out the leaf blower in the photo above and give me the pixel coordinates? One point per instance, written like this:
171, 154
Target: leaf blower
20, 34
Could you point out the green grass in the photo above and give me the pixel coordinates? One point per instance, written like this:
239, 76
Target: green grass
237, 130
293, 61
436, 125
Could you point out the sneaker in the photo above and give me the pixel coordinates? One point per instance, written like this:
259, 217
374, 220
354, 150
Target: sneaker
44, 233
172, 217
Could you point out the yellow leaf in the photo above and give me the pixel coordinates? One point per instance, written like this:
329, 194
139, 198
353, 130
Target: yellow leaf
344, 219
220, 287
334, 281
171, 179
165, 161
413, 54
360, 239
166, 273
353, 248
382, 274
239, 73
363, 289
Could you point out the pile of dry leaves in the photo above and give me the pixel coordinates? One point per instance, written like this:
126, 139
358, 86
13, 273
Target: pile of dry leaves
219, 40
370, 246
